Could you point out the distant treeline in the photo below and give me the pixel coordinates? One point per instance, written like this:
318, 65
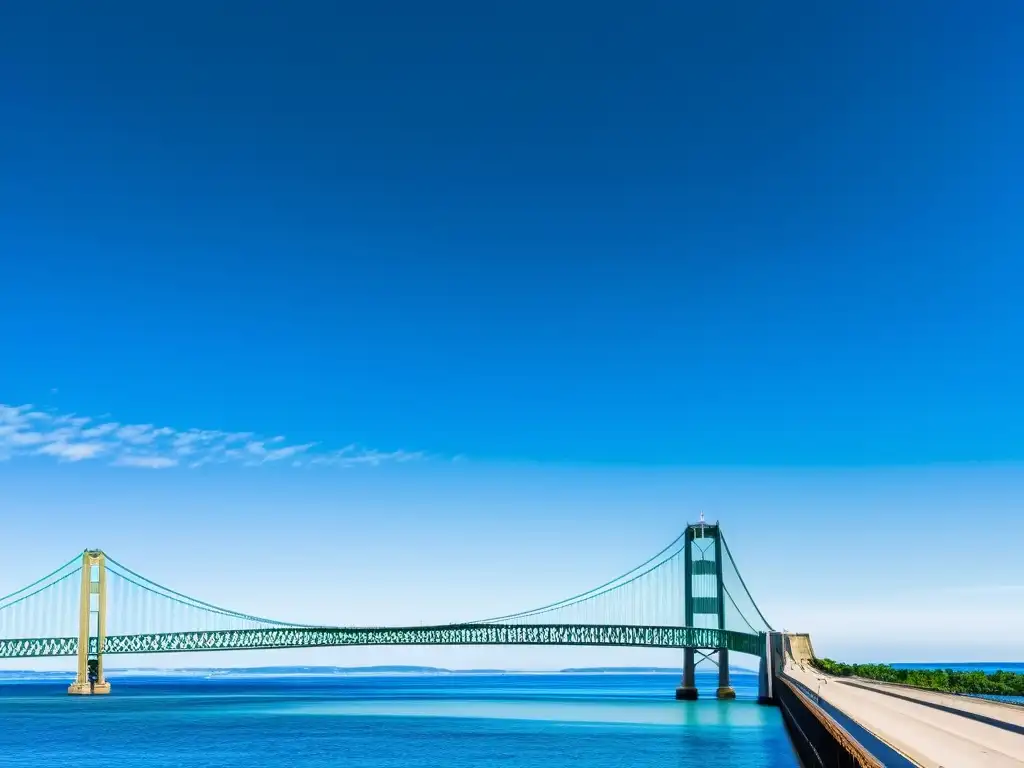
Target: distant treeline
945, 680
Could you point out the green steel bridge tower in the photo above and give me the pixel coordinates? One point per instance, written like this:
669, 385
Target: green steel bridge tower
689, 596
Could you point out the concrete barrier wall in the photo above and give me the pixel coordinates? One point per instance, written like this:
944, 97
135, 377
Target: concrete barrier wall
799, 649
819, 740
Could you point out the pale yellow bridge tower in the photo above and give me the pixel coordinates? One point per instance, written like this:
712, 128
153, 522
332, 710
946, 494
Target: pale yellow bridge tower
92, 623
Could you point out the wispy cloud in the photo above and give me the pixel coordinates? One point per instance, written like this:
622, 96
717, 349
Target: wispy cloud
351, 456
69, 451
25, 431
149, 462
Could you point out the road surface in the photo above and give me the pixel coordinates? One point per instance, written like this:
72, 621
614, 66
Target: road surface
934, 730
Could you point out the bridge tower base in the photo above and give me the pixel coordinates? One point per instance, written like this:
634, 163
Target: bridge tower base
80, 689
89, 679
687, 690
725, 691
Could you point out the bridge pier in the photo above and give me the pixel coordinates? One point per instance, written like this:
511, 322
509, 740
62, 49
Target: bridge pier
766, 669
725, 691
687, 690
89, 679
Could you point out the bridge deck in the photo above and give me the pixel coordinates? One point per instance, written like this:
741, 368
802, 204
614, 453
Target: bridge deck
451, 634
931, 729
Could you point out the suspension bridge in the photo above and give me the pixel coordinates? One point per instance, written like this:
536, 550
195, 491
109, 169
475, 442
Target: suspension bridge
689, 596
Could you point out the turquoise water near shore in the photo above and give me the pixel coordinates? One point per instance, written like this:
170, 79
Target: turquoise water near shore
515, 720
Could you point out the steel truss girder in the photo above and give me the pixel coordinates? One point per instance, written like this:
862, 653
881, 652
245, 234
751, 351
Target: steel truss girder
451, 634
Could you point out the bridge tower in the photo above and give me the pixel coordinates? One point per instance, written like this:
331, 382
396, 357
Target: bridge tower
92, 623
704, 598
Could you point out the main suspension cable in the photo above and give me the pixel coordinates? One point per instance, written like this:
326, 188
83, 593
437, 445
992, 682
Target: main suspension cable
595, 591
40, 581
743, 583
191, 601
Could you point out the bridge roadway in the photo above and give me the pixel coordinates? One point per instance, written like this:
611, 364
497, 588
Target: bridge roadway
933, 730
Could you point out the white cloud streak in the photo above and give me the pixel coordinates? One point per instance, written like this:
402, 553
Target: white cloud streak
25, 431
147, 462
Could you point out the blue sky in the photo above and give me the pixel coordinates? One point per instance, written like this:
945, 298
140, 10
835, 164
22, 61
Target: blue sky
394, 281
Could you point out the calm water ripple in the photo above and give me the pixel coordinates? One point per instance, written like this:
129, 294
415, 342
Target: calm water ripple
518, 721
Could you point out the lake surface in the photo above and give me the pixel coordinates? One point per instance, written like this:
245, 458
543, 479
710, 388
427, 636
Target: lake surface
457, 721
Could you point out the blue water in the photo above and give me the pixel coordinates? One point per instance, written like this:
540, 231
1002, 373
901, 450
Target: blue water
993, 697
457, 721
